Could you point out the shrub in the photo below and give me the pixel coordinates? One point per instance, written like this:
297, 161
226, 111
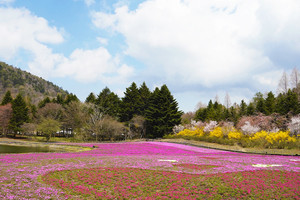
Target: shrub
248, 129
294, 126
217, 132
235, 135
210, 126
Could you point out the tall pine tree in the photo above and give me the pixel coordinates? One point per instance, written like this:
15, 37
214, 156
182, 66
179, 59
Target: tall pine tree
131, 103
270, 104
7, 98
162, 114
109, 102
19, 115
145, 94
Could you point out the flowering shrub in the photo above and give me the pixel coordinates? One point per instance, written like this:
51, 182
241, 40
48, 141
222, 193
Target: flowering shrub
248, 129
210, 126
217, 132
294, 125
259, 135
279, 137
235, 135
230, 135
178, 128
261, 121
191, 133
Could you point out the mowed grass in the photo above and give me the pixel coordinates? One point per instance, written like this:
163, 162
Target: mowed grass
134, 183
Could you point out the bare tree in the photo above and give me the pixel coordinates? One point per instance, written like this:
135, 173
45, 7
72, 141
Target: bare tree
295, 76
5, 115
217, 99
95, 120
283, 85
200, 105
227, 101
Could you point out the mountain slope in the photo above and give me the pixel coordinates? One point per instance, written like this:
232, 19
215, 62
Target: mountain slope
30, 86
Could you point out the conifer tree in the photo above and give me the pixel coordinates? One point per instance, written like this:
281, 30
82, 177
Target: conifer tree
250, 109
44, 102
109, 102
162, 114
145, 94
270, 104
59, 99
243, 108
19, 115
91, 98
7, 98
71, 97
131, 103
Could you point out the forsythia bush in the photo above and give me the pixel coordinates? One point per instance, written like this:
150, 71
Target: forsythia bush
235, 134
191, 133
279, 137
259, 135
217, 132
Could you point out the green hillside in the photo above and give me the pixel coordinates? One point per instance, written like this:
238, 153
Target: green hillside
30, 86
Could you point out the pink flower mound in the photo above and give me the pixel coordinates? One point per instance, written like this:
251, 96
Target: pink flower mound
19, 175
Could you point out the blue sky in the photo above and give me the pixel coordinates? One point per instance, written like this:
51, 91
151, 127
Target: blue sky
199, 48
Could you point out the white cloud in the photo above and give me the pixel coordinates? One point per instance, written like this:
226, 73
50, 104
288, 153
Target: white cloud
25, 32
210, 43
89, 2
19, 29
6, 2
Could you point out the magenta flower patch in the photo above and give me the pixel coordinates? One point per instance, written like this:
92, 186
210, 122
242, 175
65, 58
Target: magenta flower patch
44, 175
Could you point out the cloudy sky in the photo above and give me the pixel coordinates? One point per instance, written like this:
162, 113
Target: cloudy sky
198, 48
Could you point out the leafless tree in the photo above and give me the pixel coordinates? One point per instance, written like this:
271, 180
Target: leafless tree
5, 115
295, 76
227, 101
283, 85
94, 122
217, 99
200, 105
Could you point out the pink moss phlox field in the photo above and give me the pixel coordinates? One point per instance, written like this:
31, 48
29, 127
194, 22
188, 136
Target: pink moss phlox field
21, 174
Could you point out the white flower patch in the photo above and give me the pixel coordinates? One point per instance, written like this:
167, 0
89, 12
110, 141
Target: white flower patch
295, 160
263, 165
160, 160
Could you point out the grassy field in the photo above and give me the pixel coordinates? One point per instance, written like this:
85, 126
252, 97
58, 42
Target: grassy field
148, 170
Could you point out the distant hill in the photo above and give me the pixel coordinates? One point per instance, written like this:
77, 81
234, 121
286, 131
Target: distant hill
30, 86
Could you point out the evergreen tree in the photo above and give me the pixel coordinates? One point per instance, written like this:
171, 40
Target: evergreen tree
162, 114
109, 102
7, 98
260, 106
44, 102
243, 108
71, 97
91, 98
131, 103
145, 94
210, 113
19, 115
281, 105
292, 103
288, 102
250, 109
59, 99
270, 104
201, 114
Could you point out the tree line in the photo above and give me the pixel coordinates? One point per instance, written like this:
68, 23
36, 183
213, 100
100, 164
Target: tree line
140, 113
286, 103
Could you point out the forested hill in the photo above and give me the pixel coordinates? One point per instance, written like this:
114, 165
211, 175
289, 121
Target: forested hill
30, 86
